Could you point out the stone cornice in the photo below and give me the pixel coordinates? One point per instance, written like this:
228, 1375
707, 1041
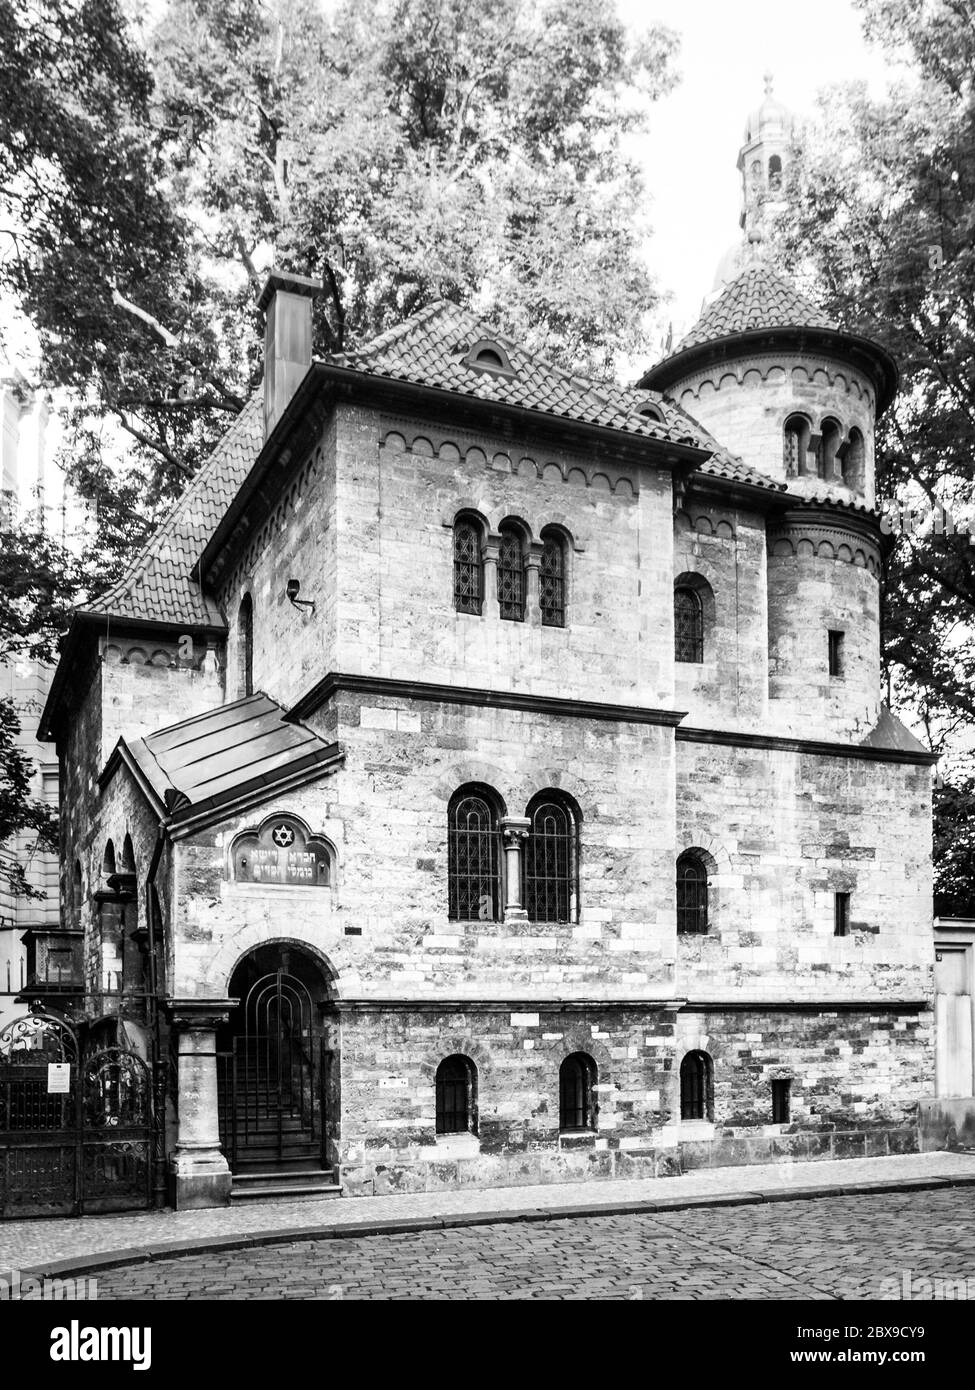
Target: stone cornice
335, 682
732, 738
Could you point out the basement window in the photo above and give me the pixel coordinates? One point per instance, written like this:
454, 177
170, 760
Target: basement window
781, 1101
841, 914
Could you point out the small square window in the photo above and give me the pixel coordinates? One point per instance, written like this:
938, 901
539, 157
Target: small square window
781, 1101
841, 914
835, 653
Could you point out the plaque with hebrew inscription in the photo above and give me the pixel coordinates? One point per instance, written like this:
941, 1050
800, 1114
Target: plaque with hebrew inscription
282, 852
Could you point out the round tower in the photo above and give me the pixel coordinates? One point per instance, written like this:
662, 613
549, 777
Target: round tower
796, 397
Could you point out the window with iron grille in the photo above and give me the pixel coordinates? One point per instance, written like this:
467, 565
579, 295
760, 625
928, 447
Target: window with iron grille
688, 625
577, 1078
695, 1086
550, 862
692, 894
472, 854
551, 578
841, 914
781, 1101
468, 568
794, 444
511, 575
456, 1087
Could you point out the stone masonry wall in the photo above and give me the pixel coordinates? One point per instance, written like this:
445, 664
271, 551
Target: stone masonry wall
785, 832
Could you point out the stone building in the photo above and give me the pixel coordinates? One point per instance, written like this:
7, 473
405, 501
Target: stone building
482, 775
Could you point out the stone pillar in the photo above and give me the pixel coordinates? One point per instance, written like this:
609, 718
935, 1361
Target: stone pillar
514, 832
199, 1172
533, 598
489, 554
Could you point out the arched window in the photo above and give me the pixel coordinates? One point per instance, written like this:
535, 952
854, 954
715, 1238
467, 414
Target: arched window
692, 893
245, 644
511, 574
688, 624
577, 1080
456, 1096
552, 580
472, 855
795, 443
108, 862
854, 458
696, 1087
827, 464
76, 887
468, 567
128, 855
551, 860
775, 172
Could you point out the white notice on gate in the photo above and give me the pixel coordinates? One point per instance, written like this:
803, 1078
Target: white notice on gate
58, 1078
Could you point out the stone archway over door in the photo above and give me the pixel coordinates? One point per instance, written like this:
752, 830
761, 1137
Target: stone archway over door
274, 1074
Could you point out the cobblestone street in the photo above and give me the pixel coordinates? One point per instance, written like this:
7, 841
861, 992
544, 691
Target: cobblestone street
840, 1247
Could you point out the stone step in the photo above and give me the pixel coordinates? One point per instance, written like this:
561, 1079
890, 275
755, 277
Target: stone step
264, 1185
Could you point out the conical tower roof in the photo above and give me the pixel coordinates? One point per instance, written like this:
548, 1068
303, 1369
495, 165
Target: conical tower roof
762, 306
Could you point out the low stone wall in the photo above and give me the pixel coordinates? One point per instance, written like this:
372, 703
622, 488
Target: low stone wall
386, 1176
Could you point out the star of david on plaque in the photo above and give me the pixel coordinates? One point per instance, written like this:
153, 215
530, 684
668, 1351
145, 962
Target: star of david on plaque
283, 836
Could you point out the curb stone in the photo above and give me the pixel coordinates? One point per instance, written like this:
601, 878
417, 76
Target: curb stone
77, 1265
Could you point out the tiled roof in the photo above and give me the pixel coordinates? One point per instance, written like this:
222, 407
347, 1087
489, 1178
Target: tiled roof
429, 350
722, 462
157, 586
226, 754
759, 298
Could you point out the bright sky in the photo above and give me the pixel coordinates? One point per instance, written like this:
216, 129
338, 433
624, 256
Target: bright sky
696, 132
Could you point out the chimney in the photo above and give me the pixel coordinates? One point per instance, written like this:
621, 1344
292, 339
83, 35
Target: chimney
286, 300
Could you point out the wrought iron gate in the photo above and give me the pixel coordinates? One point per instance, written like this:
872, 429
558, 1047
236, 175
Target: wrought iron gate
77, 1132
271, 1083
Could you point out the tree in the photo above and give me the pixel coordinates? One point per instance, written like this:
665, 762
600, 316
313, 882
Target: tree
20, 813
881, 220
401, 149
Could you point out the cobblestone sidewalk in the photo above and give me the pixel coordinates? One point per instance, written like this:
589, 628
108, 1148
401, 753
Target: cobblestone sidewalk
34, 1245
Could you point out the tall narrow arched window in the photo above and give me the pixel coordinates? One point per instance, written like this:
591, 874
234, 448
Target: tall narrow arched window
456, 1087
854, 459
696, 1087
795, 443
775, 172
473, 857
511, 574
468, 567
829, 442
128, 855
108, 860
76, 887
692, 894
688, 624
551, 860
577, 1081
245, 644
551, 579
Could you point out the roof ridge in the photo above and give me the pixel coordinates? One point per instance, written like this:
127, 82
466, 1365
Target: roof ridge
391, 336
197, 485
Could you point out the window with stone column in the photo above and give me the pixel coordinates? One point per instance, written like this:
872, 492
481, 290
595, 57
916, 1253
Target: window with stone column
473, 855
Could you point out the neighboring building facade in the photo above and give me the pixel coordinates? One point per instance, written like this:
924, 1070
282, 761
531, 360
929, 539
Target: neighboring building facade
36, 953
481, 776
